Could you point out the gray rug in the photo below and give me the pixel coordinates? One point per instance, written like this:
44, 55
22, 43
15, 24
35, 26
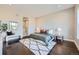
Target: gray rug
37, 47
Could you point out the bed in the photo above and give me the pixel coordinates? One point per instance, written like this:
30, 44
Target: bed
43, 37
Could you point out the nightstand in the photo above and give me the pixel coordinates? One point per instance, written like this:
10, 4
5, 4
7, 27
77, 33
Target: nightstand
59, 39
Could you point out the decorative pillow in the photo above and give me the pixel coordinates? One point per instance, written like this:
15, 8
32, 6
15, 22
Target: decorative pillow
9, 33
50, 32
43, 31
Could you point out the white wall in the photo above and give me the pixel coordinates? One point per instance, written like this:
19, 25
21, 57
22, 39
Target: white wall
64, 19
77, 26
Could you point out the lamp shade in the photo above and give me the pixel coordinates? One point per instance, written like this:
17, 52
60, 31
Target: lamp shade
58, 31
37, 30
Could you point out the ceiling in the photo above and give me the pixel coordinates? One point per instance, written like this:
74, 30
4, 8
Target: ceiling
37, 10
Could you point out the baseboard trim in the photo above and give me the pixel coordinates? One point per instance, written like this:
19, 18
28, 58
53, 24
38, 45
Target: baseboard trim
69, 40
76, 45
74, 42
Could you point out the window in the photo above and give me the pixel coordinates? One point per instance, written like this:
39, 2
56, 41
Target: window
12, 25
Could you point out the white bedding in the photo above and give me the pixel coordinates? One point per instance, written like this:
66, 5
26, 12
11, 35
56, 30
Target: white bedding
38, 47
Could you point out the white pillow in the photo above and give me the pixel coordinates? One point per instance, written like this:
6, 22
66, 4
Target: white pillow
50, 31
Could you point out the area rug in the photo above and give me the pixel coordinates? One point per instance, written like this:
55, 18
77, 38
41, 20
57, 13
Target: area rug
37, 47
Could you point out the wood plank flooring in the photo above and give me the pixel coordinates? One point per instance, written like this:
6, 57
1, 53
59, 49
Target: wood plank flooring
66, 48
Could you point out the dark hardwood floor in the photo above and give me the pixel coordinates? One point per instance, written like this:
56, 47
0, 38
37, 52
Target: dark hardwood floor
66, 48
18, 49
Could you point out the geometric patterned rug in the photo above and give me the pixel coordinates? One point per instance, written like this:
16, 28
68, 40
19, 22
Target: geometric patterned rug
37, 47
